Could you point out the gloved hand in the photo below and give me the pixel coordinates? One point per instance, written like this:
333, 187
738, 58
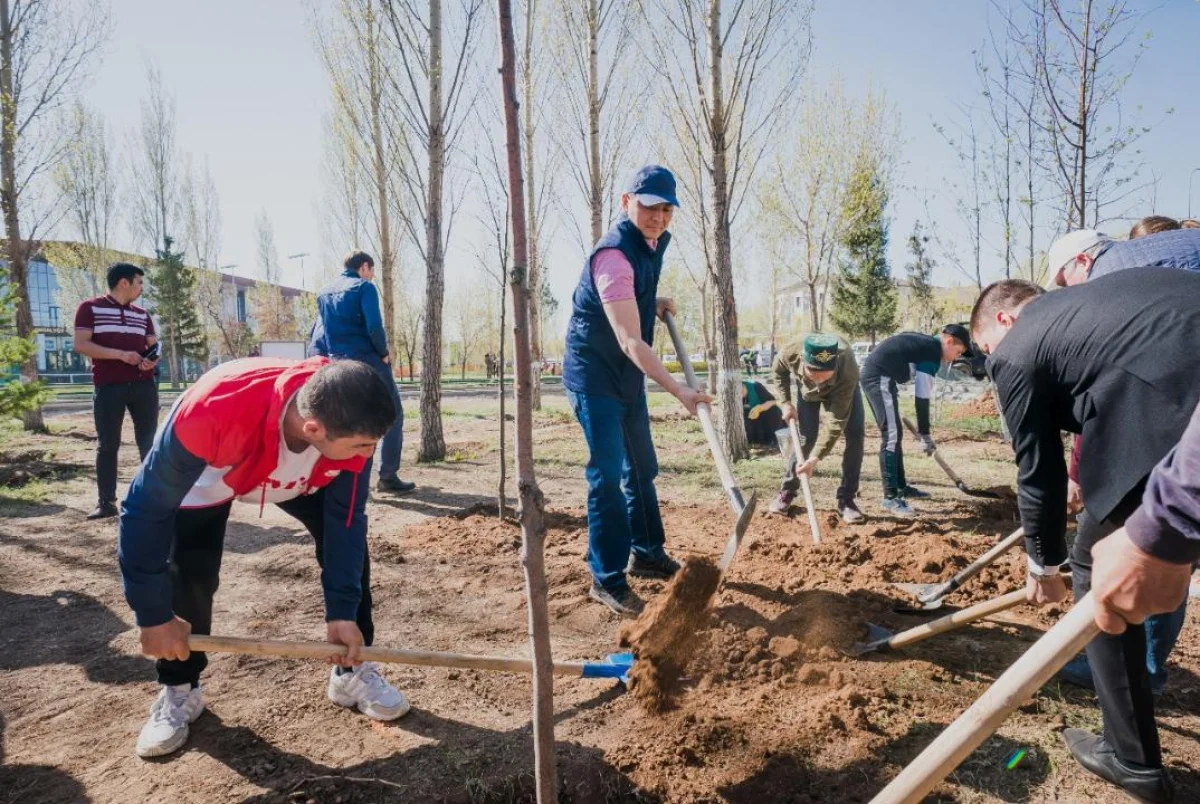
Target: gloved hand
927, 444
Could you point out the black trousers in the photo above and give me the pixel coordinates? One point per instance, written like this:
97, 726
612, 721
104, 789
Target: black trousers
195, 571
108, 408
884, 398
809, 414
1118, 662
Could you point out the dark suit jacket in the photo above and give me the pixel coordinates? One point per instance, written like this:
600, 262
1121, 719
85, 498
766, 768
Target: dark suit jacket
1116, 359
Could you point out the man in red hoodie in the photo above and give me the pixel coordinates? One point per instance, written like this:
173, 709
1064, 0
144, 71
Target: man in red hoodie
299, 435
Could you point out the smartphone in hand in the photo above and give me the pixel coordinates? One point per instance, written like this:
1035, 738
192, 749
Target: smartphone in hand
151, 353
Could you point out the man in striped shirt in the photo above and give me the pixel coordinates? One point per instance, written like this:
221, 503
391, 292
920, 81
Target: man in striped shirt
118, 336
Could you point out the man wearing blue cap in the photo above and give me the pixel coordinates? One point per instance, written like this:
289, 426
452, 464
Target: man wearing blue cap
608, 357
826, 374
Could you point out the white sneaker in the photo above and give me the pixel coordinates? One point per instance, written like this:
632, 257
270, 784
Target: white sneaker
167, 728
368, 691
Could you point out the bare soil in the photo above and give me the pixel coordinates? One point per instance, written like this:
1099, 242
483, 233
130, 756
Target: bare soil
771, 708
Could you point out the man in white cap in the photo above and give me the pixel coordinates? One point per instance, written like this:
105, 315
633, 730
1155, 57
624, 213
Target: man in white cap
1086, 254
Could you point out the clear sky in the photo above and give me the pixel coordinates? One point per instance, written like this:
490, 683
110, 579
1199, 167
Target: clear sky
250, 95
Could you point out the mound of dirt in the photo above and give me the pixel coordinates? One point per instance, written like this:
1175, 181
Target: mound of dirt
664, 637
979, 407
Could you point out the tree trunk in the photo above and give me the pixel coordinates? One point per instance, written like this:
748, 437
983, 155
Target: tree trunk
387, 256
433, 442
533, 526
173, 346
729, 396
709, 326
531, 209
502, 485
1081, 153
593, 100
18, 249
814, 307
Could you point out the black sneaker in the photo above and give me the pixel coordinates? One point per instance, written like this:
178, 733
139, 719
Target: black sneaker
662, 569
914, 493
625, 602
396, 485
104, 510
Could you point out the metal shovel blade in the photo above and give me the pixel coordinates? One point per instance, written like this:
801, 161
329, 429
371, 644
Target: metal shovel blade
877, 638
739, 530
929, 596
970, 492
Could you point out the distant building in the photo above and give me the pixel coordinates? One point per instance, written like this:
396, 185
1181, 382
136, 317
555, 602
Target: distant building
55, 292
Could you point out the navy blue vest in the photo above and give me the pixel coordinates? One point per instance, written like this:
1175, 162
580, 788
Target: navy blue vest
594, 362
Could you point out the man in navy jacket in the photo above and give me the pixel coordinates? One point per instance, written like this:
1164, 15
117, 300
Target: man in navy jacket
350, 327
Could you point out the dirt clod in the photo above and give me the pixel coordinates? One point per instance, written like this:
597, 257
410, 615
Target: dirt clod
663, 637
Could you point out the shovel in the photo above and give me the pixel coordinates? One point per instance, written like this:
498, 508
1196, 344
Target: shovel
615, 665
794, 429
950, 473
1013, 688
931, 596
743, 508
882, 639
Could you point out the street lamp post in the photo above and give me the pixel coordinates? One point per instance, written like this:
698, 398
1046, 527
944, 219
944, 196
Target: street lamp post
303, 279
1191, 176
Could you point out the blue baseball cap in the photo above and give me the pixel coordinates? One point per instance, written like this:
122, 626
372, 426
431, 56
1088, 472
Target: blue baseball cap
653, 185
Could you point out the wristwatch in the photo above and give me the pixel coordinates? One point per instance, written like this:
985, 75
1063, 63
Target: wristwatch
1040, 573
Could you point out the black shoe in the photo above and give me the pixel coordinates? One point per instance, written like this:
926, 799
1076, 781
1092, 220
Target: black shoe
663, 568
1147, 785
625, 602
396, 485
104, 510
914, 493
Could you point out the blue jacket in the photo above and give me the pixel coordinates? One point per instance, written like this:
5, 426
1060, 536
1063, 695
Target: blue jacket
594, 362
349, 323
1176, 249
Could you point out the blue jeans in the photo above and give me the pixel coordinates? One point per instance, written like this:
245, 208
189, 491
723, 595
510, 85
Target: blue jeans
622, 501
393, 440
1162, 632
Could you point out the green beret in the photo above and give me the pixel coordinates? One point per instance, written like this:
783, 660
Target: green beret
821, 352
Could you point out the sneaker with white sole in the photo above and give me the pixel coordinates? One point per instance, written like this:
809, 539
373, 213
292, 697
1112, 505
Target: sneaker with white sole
896, 506
848, 511
368, 691
167, 729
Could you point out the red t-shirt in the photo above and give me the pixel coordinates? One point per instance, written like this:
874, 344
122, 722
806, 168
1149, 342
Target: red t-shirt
115, 326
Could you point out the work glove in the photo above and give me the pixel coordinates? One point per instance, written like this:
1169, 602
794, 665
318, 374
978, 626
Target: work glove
927, 444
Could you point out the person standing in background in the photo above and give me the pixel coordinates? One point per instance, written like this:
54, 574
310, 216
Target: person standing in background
350, 326
119, 337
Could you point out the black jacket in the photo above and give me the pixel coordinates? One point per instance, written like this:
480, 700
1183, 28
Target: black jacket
1116, 359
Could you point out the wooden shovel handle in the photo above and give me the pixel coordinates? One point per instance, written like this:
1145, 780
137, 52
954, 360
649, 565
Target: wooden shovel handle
978, 565
957, 620
813, 527
950, 473
323, 650
705, 416
1013, 688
